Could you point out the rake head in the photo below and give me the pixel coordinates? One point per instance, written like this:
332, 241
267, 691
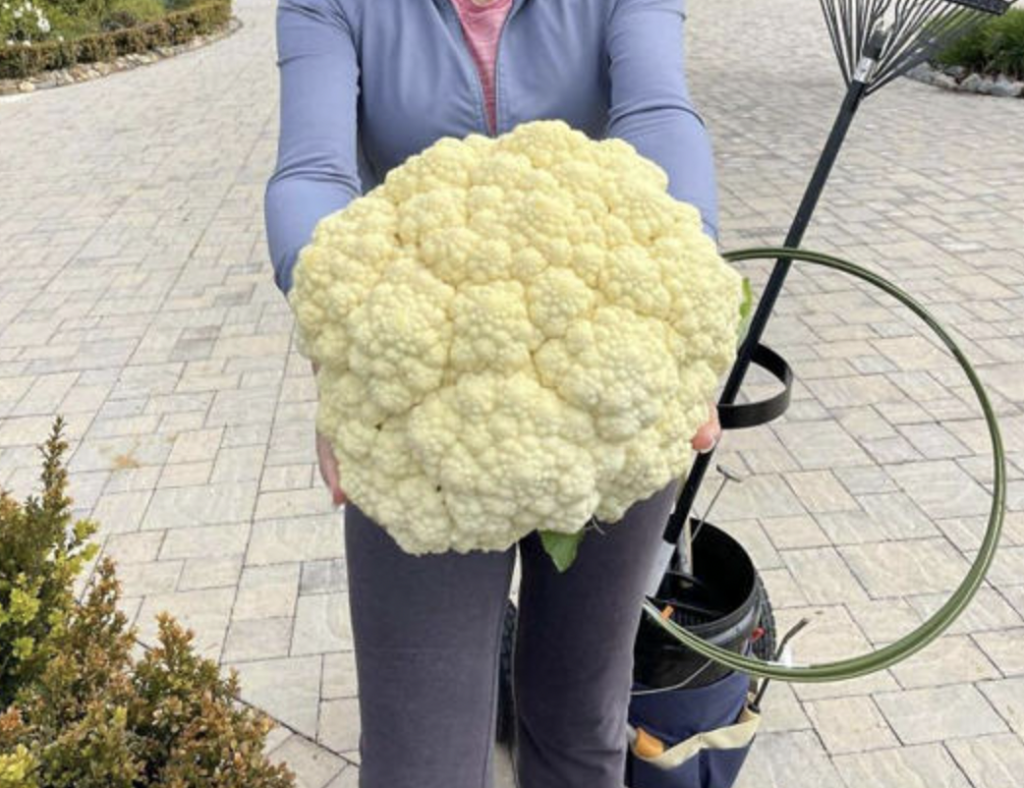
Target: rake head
899, 34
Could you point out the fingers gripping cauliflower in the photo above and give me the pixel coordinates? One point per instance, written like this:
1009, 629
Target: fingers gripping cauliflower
513, 333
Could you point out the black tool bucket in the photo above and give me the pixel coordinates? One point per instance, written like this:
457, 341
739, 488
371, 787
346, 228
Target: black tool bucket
721, 603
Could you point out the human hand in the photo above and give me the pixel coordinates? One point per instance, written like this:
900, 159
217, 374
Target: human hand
328, 463
709, 433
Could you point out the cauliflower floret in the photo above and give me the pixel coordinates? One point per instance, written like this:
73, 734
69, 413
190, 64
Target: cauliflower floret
514, 334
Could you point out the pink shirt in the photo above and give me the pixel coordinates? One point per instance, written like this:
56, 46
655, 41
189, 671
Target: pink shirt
482, 25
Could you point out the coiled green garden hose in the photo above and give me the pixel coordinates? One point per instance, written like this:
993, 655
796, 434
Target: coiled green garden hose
933, 627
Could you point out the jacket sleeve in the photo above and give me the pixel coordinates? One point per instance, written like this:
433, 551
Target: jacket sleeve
316, 171
650, 105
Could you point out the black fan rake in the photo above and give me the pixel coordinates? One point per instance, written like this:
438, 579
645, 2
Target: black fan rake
875, 41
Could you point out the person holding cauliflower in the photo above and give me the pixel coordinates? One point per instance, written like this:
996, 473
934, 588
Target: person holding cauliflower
496, 223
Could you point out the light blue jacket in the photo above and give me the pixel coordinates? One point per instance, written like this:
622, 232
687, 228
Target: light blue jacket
366, 83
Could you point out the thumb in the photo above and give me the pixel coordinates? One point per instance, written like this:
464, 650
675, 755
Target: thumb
329, 470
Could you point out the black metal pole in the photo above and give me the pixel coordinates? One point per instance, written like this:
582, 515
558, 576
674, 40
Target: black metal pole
844, 118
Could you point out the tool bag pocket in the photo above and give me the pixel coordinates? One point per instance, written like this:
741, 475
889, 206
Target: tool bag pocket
706, 738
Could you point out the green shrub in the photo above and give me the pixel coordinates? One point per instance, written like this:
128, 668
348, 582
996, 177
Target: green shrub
176, 27
40, 555
995, 47
92, 715
129, 13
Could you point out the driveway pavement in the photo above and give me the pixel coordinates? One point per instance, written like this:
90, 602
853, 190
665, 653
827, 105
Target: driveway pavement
137, 300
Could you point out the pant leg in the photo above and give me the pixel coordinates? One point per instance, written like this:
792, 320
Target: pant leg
573, 664
427, 634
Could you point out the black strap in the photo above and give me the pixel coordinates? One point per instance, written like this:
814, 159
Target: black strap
754, 414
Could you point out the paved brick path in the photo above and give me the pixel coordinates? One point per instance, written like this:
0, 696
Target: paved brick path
137, 300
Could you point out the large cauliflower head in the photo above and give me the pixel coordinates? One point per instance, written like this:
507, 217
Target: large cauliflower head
514, 333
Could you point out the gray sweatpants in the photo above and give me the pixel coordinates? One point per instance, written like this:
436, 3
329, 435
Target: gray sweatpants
427, 633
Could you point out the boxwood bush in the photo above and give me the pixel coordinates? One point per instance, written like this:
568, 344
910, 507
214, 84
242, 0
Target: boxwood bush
994, 47
130, 26
78, 708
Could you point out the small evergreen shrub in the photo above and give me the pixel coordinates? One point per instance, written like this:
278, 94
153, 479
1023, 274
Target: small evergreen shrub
40, 555
82, 711
994, 47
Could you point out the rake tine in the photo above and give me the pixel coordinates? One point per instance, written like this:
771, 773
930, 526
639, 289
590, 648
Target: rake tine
913, 20
948, 26
833, 32
904, 33
953, 27
882, 11
845, 9
858, 30
862, 28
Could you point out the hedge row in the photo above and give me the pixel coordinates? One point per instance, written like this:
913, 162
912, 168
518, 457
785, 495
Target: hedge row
177, 27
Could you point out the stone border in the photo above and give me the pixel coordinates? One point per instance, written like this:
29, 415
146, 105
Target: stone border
84, 72
959, 78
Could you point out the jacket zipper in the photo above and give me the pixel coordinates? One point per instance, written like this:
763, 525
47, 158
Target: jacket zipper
467, 56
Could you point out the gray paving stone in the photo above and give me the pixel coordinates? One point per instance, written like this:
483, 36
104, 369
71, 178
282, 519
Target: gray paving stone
844, 528
820, 445
989, 761
340, 679
886, 620
986, 611
187, 474
239, 464
925, 766
121, 512
1007, 696
758, 496
294, 503
953, 659
941, 488
933, 714
206, 541
267, 592
794, 759
130, 548
216, 571
903, 568
287, 688
933, 441
312, 538
823, 575
851, 724
349, 778
287, 477
897, 515
314, 767
320, 577
1004, 648
189, 507
844, 391
339, 724
257, 639
820, 491
152, 577
795, 532
322, 624
781, 711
